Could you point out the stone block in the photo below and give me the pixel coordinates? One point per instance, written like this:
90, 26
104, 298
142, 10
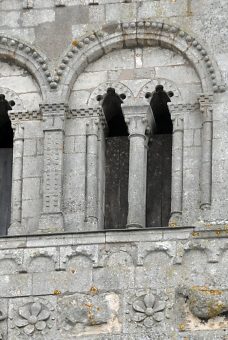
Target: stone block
76, 127
40, 4
19, 84
28, 34
16, 285
9, 18
79, 99
32, 166
31, 101
31, 188
30, 147
69, 144
31, 208
120, 59
6, 5
77, 279
90, 80
157, 56
97, 14
37, 17
123, 12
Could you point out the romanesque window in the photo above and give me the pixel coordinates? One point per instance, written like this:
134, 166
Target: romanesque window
6, 155
158, 191
116, 161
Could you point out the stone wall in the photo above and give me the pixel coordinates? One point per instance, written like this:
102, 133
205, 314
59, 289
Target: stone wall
81, 281
161, 284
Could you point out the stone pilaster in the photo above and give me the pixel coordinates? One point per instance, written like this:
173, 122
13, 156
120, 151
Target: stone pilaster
54, 122
16, 197
206, 155
177, 164
139, 118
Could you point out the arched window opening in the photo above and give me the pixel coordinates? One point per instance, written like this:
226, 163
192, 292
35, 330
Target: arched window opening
159, 161
6, 156
116, 161
111, 104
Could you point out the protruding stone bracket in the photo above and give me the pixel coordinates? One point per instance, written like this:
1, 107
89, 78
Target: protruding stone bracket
51, 219
206, 108
140, 121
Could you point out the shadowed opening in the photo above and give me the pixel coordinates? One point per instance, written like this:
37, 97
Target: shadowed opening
6, 157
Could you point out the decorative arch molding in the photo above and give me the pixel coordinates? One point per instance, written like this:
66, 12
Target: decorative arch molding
101, 89
168, 86
29, 57
11, 95
133, 34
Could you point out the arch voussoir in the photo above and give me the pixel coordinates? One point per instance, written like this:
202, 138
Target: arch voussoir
142, 33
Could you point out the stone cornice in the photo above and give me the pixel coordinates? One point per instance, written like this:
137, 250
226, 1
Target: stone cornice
182, 108
16, 116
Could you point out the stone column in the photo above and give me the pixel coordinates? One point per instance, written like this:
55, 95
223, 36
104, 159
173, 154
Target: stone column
206, 156
139, 116
17, 172
51, 219
177, 165
92, 174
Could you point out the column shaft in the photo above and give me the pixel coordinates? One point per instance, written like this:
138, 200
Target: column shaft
206, 155
16, 197
136, 186
92, 176
177, 171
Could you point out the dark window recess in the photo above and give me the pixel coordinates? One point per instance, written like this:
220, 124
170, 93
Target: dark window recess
116, 182
158, 196
111, 104
6, 157
158, 103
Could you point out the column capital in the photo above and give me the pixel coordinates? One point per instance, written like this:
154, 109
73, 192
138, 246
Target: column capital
92, 126
206, 101
178, 122
18, 129
138, 116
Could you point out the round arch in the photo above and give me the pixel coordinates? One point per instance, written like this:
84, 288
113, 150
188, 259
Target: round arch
30, 58
142, 34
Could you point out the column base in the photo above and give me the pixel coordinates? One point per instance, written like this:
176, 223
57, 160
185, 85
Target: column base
134, 226
16, 229
51, 223
91, 224
175, 220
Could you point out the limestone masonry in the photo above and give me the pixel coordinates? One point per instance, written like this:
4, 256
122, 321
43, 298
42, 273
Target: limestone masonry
66, 272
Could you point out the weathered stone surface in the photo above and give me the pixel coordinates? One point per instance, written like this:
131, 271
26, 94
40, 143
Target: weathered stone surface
126, 284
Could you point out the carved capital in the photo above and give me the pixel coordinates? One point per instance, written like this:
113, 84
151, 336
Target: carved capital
92, 127
18, 131
138, 116
178, 122
205, 101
